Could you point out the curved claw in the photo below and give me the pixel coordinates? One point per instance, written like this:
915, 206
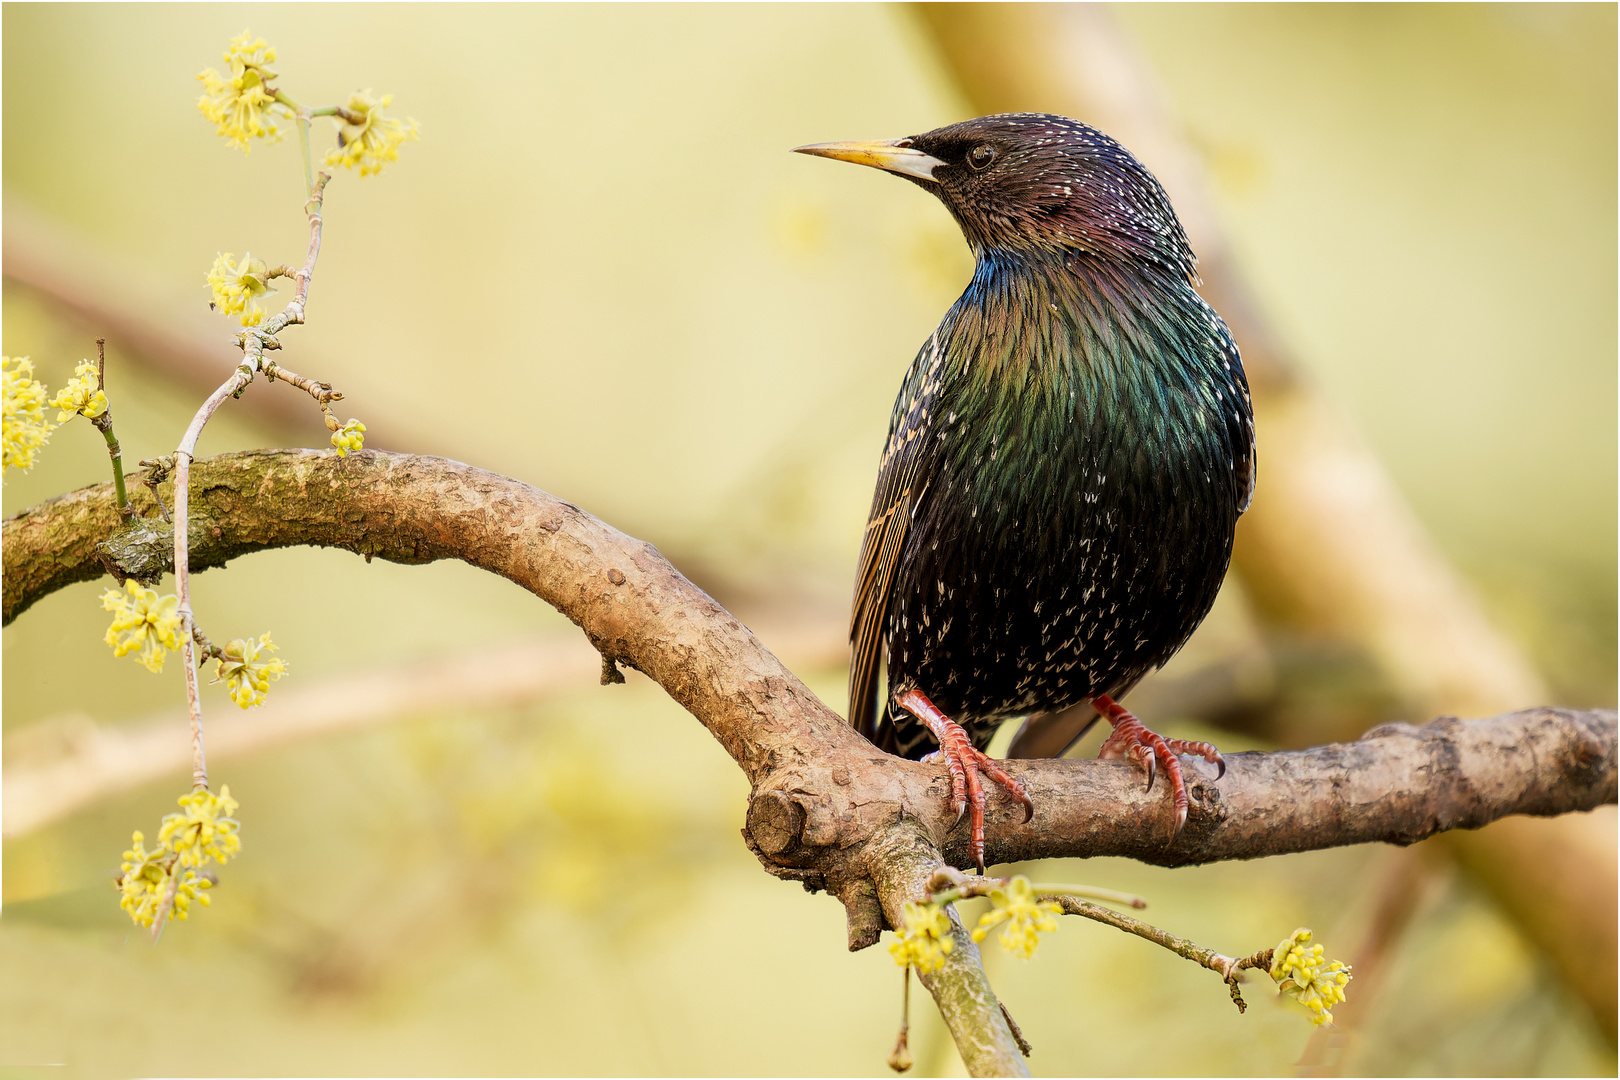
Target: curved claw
969, 768
1181, 821
1151, 752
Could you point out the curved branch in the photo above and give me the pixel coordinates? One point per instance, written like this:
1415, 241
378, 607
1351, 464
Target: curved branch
828, 808
633, 606
1398, 784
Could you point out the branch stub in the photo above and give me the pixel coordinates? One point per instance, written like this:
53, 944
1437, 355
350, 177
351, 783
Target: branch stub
775, 822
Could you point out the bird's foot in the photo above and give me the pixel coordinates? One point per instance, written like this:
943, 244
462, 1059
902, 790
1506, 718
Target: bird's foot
966, 763
1132, 739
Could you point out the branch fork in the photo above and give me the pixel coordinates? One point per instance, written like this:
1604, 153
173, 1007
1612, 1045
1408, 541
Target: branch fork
828, 809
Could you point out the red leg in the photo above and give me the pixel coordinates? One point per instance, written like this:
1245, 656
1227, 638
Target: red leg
1149, 750
966, 762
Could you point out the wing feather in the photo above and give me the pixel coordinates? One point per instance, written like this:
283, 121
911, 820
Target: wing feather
887, 526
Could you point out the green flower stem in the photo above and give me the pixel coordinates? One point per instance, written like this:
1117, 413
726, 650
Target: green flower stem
117, 456
348, 116
900, 1058
984, 886
303, 147
301, 119
1090, 892
103, 424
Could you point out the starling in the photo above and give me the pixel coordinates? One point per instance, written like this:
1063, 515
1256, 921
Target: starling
1066, 461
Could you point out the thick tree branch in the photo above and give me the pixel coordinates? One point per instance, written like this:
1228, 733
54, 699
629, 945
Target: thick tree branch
633, 606
1399, 784
828, 808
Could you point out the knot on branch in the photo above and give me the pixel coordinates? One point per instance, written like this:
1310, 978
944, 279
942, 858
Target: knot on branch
143, 550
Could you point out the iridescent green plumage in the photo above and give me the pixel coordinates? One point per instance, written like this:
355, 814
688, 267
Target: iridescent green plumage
1069, 453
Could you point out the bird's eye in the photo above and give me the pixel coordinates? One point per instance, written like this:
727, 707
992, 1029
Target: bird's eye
981, 156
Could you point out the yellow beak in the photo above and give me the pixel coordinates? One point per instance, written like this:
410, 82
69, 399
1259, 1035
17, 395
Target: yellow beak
888, 155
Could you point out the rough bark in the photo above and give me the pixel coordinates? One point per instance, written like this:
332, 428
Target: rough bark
825, 788
828, 809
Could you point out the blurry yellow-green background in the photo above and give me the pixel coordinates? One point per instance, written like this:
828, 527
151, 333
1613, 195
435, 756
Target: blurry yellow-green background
601, 272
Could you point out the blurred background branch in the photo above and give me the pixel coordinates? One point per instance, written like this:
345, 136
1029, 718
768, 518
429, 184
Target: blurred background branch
56, 768
1329, 548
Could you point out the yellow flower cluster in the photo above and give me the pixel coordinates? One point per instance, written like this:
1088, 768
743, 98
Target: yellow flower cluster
205, 830
82, 395
375, 140
241, 104
924, 937
25, 426
247, 678
1026, 918
349, 437
235, 286
147, 879
1303, 974
144, 621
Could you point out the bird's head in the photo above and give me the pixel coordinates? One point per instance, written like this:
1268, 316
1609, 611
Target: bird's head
1033, 182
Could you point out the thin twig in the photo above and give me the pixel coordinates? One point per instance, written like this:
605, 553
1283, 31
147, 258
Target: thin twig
157, 471
182, 565
1017, 1032
320, 391
166, 907
210, 651
1227, 967
254, 341
900, 1058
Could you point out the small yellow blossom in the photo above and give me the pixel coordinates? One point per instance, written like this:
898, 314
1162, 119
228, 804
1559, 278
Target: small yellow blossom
142, 620
1303, 974
375, 140
924, 937
82, 394
234, 286
349, 437
146, 881
191, 888
26, 428
1026, 918
205, 830
241, 103
247, 678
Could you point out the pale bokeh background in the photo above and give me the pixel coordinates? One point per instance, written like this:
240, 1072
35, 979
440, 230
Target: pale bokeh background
601, 272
